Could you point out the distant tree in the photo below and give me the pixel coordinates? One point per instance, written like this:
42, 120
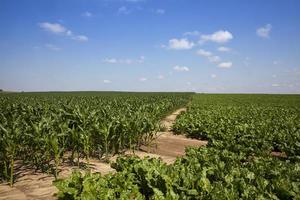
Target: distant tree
1, 90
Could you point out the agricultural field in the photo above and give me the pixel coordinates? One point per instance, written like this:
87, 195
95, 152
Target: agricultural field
253, 124
150, 100
40, 128
252, 153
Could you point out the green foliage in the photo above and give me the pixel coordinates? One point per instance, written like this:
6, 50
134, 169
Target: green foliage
204, 173
254, 124
242, 131
40, 128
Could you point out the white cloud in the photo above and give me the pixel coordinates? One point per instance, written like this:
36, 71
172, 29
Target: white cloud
180, 44
142, 79
208, 55
106, 81
192, 33
181, 68
275, 85
110, 60
214, 59
274, 76
87, 14
264, 32
160, 11
123, 10
117, 61
225, 65
219, 37
52, 47
188, 83
202, 52
160, 77
58, 29
53, 27
213, 76
124, 61
224, 49
81, 38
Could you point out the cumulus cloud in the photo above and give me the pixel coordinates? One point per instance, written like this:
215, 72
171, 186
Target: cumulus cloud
180, 44
87, 14
202, 52
59, 29
214, 59
208, 55
224, 49
225, 65
181, 68
264, 32
81, 38
218, 37
53, 27
213, 76
127, 61
106, 81
160, 11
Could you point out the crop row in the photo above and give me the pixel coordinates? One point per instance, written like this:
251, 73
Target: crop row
256, 124
39, 129
204, 173
237, 163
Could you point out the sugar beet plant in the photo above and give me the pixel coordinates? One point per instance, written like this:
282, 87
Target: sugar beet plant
37, 129
256, 124
205, 173
242, 131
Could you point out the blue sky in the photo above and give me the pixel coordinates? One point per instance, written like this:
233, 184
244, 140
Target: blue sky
150, 45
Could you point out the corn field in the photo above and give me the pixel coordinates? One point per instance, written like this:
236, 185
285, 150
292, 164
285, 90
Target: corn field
40, 129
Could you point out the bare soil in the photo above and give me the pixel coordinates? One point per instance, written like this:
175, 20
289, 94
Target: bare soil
36, 185
168, 144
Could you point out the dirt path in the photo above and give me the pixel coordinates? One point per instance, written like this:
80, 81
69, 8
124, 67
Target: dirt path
168, 144
33, 185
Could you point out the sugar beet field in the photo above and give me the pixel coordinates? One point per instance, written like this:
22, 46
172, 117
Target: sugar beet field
238, 146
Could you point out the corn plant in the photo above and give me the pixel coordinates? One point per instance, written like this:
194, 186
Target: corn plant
39, 129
